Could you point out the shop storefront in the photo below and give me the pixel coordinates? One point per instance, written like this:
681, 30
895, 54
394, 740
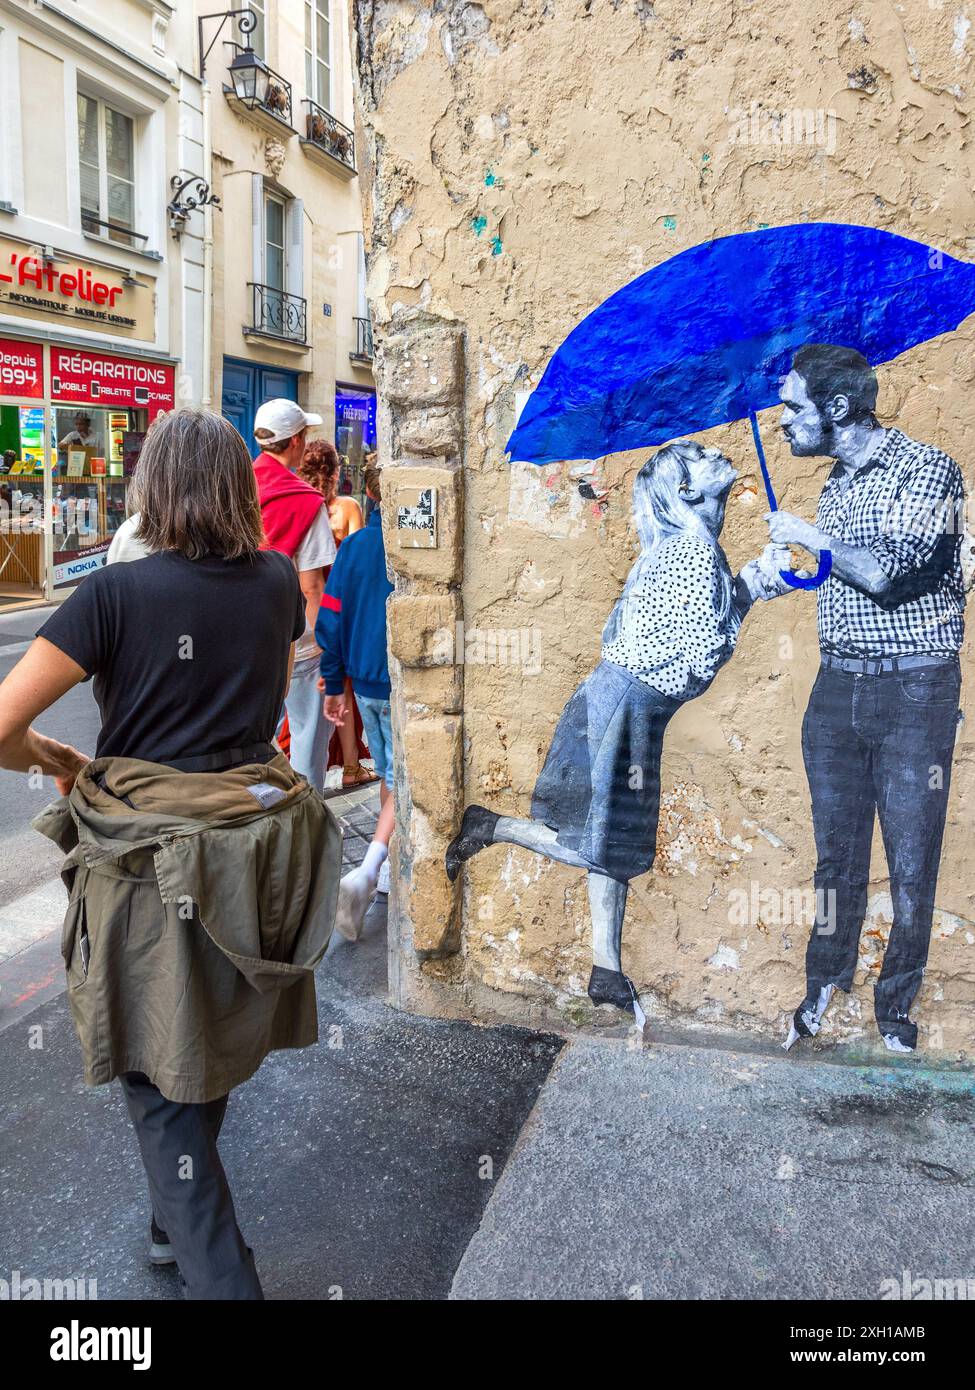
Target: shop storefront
355, 435
72, 422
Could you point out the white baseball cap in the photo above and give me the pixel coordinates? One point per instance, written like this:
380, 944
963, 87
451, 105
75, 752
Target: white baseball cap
283, 418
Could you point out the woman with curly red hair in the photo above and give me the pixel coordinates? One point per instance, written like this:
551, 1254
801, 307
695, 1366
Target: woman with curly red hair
321, 467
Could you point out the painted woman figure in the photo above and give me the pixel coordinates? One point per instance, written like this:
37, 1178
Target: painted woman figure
596, 802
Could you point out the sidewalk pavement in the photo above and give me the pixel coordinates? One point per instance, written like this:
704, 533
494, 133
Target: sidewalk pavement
402, 1158
681, 1172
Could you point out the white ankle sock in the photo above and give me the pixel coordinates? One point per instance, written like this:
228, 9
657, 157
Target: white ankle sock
373, 862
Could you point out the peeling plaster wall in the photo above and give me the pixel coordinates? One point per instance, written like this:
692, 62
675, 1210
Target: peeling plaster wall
529, 157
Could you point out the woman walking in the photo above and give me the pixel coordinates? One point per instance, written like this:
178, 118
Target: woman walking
596, 802
186, 964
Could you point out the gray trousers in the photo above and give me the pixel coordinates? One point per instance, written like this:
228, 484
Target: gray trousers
188, 1188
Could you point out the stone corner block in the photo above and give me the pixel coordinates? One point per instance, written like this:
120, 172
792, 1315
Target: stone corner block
433, 753
430, 430
432, 689
433, 907
423, 628
442, 563
423, 365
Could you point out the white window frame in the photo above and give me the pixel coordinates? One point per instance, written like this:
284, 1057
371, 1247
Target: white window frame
257, 39
271, 197
101, 106
312, 57
294, 236
362, 302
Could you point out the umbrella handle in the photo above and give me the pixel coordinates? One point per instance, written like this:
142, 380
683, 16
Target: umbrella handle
813, 582
825, 556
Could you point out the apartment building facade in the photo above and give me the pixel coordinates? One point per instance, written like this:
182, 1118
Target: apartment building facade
171, 232
290, 315
98, 299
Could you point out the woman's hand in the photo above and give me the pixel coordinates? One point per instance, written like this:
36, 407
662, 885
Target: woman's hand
72, 761
762, 575
42, 675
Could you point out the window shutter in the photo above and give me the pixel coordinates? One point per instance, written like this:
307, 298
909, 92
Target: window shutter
296, 247
362, 303
257, 226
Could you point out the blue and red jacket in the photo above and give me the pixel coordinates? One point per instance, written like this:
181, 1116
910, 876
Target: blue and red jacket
351, 626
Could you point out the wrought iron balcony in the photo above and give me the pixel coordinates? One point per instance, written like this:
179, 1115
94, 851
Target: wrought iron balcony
363, 340
279, 315
324, 135
267, 95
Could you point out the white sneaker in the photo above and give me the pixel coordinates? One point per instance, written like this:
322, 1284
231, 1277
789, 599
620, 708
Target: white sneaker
355, 894
893, 1043
809, 1018
382, 883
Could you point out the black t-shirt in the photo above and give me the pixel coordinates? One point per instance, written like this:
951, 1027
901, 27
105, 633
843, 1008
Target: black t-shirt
189, 657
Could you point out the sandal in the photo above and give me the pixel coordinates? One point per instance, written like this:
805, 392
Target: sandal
355, 775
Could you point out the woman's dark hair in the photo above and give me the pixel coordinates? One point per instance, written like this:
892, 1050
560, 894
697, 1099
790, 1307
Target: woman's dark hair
837, 371
196, 488
320, 465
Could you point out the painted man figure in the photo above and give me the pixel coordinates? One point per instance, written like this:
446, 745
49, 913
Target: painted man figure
879, 731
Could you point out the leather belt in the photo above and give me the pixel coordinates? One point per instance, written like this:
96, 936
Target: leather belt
219, 762
883, 665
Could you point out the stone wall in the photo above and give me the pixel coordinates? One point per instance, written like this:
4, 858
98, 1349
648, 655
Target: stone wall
527, 158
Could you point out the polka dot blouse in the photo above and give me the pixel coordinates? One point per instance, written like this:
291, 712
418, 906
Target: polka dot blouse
665, 629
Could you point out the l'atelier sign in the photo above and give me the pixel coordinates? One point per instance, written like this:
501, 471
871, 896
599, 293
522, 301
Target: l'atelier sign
69, 289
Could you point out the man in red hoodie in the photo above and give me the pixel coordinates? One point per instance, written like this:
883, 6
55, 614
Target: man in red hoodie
296, 522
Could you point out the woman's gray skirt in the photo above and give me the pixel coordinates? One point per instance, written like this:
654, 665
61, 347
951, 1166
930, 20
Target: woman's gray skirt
600, 786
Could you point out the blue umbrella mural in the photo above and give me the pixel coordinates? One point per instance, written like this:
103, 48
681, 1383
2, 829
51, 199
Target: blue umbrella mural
705, 338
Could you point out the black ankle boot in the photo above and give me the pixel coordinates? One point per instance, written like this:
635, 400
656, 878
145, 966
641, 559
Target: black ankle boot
476, 832
611, 987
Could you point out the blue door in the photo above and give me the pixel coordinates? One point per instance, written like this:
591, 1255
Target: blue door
245, 386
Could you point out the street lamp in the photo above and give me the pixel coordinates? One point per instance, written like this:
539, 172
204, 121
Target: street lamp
250, 78
246, 22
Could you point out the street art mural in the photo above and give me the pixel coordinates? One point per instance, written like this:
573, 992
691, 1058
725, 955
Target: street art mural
803, 316
597, 798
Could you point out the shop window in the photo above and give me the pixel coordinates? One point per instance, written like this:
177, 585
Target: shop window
94, 452
355, 437
106, 158
318, 84
21, 499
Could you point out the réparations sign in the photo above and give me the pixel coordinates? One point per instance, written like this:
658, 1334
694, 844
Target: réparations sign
101, 378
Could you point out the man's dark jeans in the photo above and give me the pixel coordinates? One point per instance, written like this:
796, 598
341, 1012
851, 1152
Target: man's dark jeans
878, 745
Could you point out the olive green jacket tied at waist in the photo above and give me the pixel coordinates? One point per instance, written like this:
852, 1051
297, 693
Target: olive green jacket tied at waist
199, 905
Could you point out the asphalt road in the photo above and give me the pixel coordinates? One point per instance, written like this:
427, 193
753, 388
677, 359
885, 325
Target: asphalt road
358, 1165
26, 858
